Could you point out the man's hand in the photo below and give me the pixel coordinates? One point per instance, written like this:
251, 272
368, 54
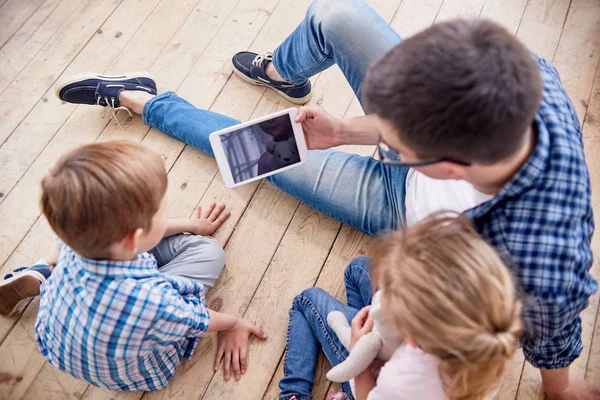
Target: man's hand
321, 130
205, 224
361, 325
577, 389
233, 348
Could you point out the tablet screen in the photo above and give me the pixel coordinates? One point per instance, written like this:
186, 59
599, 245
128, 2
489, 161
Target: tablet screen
260, 148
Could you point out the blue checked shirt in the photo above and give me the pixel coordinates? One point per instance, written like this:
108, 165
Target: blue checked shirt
542, 220
121, 325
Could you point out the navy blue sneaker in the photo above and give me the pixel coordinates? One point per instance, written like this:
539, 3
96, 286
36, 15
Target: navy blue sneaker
251, 68
103, 90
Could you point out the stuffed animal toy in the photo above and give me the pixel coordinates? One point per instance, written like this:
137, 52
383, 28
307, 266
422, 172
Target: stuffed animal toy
380, 343
279, 154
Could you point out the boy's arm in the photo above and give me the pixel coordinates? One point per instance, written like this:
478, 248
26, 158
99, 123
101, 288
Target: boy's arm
203, 224
232, 350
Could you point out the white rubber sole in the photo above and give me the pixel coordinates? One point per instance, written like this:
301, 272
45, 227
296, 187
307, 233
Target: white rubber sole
92, 75
300, 101
15, 290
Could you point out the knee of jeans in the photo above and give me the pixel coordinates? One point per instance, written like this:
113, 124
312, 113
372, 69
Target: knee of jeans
362, 262
336, 15
210, 251
310, 294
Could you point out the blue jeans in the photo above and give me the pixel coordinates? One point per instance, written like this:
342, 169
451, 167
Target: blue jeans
308, 331
355, 190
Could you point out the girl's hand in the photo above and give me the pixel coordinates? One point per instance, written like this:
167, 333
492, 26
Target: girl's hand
205, 224
233, 348
361, 325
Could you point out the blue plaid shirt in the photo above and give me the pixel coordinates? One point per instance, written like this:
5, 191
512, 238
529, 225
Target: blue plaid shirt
121, 325
542, 220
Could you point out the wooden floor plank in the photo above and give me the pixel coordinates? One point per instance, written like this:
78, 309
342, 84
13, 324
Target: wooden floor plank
460, 9
28, 88
509, 13
31, 38
542, 25
20, 150
578, 52
13, 15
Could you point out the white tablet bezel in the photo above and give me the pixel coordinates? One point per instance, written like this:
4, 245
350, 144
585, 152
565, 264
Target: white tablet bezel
219, 151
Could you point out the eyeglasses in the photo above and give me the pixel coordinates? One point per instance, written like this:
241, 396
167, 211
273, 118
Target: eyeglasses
388, 156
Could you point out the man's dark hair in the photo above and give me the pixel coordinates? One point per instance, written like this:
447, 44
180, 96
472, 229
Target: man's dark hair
465, 89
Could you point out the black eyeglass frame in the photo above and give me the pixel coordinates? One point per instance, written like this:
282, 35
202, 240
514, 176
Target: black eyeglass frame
382, 148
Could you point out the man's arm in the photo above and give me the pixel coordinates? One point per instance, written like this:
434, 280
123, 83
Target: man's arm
558, 386
323, 131
358, 130
552, 342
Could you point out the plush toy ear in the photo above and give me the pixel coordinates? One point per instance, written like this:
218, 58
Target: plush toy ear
271, 147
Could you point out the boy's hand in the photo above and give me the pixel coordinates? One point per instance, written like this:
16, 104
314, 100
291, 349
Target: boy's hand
233, 348
361, 325
205, 224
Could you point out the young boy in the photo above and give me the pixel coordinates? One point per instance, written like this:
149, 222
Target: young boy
125, 302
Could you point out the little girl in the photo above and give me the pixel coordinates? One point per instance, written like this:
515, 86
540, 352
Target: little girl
447, 294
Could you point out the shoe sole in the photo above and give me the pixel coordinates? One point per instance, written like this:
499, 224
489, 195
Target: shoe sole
16, 289
90, 75
299, 101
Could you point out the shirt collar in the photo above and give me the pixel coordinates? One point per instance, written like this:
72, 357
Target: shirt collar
529, 173
142, 266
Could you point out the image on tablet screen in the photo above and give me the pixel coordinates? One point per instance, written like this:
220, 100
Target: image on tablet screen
260, 148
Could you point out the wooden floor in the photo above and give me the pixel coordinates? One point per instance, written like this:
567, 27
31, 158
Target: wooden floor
275, 246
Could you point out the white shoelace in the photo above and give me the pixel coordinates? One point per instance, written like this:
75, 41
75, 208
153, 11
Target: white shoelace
258, 60
114, 109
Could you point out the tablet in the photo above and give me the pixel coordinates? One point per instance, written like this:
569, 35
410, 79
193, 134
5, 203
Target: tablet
259, 148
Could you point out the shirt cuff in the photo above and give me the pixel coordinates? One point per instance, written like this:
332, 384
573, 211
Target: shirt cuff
565, 359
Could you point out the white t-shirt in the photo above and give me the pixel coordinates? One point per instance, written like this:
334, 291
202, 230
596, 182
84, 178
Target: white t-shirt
411, 374
425, 195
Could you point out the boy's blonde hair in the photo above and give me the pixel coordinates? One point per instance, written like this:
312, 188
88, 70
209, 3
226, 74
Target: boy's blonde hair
445, 286
99, 193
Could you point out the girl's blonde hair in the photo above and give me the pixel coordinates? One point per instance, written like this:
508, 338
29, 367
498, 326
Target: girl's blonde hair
445, 286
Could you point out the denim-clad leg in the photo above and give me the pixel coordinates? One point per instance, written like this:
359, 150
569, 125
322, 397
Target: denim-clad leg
308, 334
348, 33
355, 190
308, 331
359, 286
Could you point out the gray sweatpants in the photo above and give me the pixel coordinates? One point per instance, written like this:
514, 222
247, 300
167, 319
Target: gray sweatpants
200, 258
